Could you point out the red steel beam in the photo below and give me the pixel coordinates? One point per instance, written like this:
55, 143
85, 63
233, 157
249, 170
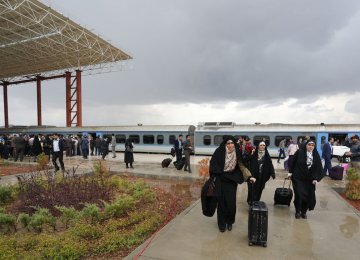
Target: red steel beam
68, 98
38, 92
6, 115
79, 99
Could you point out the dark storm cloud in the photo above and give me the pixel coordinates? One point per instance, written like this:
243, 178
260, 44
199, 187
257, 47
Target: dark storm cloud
218, 51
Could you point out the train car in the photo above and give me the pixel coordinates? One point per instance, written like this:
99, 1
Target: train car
209, 135
146, 138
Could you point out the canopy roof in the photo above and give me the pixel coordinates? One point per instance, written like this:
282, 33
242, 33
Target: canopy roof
35, 39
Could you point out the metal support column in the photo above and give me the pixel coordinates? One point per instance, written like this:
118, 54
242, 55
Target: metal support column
38, 92
6, 111
68, 98
78, 98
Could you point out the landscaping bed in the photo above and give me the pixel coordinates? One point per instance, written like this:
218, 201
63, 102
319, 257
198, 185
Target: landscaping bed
67, 216
11, 169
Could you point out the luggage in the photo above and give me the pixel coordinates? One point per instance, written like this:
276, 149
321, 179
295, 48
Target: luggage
336, 172
166, 162
172, 152
257, 222
283, 196
209, 198
180, 164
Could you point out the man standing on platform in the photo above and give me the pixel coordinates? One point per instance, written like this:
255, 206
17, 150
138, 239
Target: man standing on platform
326, 155
355, 152
187, 152
178, 145
113, 144
58, 152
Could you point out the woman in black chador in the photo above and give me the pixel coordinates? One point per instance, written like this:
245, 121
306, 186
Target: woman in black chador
306, 172
226, 165
129, 156
261, 168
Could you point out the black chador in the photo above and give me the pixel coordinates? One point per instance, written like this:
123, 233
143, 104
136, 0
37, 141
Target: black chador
226, 182
305, 169
261, 168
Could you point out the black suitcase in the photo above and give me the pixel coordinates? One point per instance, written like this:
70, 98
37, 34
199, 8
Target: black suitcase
180, 164
283, 196
258, 224
336, 172
166, 162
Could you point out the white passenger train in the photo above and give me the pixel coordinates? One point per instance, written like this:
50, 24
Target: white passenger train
205, 137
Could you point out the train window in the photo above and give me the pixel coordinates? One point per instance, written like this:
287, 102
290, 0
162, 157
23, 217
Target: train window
120, 139
237, 137
160, 139
281, 137
218, 139
302, 138
207, 140
135, 138
172, 139
148, 139
259, 138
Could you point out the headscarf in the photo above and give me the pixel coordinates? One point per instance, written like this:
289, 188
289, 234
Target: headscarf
309, 155
261, 154
230, 160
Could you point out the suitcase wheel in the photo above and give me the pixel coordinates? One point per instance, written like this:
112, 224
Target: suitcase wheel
264, 245
250, 244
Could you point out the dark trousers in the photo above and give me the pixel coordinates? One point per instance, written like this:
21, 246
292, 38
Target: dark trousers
55, 156
19, 152
178, 155
281, 153
85, 152
226, 208
327, 166
187, 161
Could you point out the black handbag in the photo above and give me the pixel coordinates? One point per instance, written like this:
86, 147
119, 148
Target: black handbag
208, 197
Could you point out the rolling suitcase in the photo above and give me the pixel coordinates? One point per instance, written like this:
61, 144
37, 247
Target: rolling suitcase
166, 162
180, 164
258, 223
283, 196
336, 172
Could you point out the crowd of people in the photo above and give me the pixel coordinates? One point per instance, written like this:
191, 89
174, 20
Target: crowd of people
18, 146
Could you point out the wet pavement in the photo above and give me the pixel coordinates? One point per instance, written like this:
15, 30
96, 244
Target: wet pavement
330, 232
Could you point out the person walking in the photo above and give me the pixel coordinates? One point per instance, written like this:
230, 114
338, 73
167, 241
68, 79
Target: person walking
92, 145
58, 152
128, 155
104, 147
305, 173
227, 168
178, 146
36, 147
354, 152
261, 168
85, 146
326, 155
19, 143
281, 150
187, 152
113, 145
293, 147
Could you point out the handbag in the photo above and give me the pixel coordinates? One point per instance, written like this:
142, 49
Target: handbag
211, 188
128, 149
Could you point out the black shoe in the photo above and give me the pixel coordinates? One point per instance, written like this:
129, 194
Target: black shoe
222, 229
185, 170
131, 167
303, 215
229, 227
297, 215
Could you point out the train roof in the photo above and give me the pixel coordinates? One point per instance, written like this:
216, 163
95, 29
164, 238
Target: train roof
278, 127
129, 128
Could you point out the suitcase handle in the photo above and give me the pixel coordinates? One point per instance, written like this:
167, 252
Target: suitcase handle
284, 183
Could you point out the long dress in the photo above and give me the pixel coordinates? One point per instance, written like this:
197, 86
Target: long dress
128, 155
302, 178
261, 169
226, 184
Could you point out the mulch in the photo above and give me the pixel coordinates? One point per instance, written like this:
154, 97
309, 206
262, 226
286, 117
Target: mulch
354, 203
11, 169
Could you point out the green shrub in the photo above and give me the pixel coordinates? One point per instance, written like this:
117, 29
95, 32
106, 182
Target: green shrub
7, 221
91, 213
5, 195
142, 191
24, 219
42, 217
119, 207
87, 231
352, 189
62, 248
42, 161
68, 215
111, 243
147, 226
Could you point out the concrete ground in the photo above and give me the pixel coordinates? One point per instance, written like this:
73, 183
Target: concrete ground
330, 232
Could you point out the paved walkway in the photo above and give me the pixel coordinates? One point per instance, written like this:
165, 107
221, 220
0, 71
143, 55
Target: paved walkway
330, 232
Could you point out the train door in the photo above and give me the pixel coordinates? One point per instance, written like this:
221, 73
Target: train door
321, 139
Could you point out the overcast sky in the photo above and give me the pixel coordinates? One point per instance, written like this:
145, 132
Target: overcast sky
244, 61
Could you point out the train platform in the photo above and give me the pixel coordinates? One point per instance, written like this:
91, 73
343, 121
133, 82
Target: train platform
330, 232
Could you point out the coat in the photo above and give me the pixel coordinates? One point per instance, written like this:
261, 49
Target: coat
128, 155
